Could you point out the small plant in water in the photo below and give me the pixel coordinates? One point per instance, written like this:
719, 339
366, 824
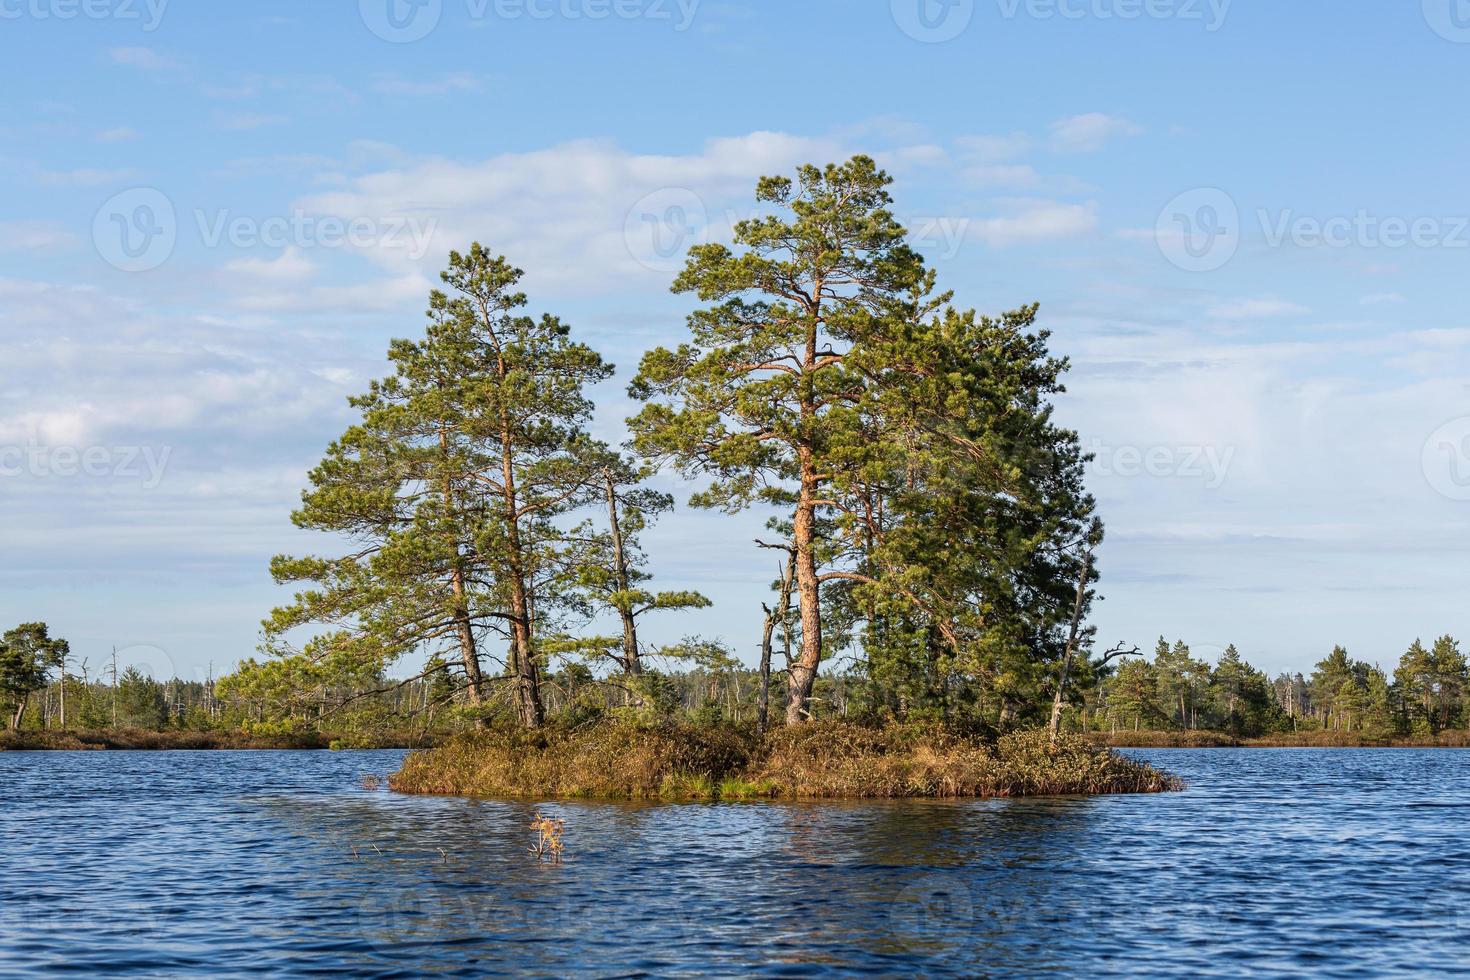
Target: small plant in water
548, 838
371, 782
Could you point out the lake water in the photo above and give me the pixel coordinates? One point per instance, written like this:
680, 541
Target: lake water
281, 863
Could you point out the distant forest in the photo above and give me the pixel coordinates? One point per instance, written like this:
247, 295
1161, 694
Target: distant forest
1427, 692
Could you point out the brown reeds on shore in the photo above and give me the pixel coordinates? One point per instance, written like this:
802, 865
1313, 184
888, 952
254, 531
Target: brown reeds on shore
819, 760
1317, 739
142, 738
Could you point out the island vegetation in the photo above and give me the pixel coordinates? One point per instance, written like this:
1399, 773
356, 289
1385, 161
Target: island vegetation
933, 553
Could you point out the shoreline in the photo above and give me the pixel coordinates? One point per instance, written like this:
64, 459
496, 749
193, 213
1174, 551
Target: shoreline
146, 740
1299, 740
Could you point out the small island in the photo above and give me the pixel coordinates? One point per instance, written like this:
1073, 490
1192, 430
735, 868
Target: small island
933, 548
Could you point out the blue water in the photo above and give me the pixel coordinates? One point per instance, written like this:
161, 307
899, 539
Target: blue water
1336, 862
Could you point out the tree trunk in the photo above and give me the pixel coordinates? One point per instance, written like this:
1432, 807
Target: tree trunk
631, 662
528, 684
803, 673
467, 651
20, 710
1056, 703
763, 693
783, 610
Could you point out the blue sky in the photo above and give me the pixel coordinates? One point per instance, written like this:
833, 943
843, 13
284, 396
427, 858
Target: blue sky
1246, 223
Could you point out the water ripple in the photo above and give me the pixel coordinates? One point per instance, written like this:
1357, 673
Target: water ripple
1332, 862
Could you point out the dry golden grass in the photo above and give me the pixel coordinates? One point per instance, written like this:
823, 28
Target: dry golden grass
606, 760
825, 760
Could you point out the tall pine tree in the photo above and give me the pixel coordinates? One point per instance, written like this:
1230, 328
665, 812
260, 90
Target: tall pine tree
451, 487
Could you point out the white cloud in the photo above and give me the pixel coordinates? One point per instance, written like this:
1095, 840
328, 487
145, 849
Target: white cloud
82, 177
1016, 176
1033, 220
1381, 299
391, 84
1255, 309
120, 134
291, 266
142, 58
1090, 132
993, 149
244, 121
562, 212
35, 236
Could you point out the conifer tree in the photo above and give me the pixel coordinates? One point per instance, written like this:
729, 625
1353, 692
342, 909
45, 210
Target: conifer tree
613, 575
910, 445
451, 487
28, 653
760, 395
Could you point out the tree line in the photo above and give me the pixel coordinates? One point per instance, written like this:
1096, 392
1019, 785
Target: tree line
1427, 692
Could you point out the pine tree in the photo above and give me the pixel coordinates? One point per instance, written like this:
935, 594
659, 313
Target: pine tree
28, 653
761, 394
1132, 692
962, 511
1415, 679
1449, 670
613, 575
452, 486
1327, 683
1172, 666
1231, 677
